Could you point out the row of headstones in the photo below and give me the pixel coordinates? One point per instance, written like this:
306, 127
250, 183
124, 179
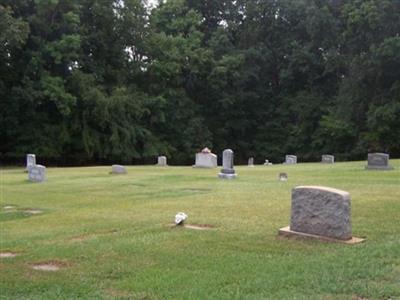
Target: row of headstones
292, 159
377, 161
206, 159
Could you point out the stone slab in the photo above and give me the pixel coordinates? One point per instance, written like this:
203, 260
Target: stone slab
227, 171
227, 176
378, 161
30, 161
251, 162
118, 169
290, 159
327, 159
37, 173
321, 211
162, 161
286, 232
206, 160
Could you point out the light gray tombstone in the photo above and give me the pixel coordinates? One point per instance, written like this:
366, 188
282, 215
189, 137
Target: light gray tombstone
30, 161
378, 161
282, 177
162, 161
227, 171
118, 169
206, 159
251, 162
327, 159
37, 173
290, 159
321, 211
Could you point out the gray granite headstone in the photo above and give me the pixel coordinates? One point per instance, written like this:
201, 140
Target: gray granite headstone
30, 161
37, 173
227, 171
251, 162
205, 159
118, 169
321, 211
162, 161
378, 161
327, 159
290, 159
282, 177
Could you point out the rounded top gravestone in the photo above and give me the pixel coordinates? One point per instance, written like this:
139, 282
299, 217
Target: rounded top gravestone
227, 171
162, 161
30, 161
251, 162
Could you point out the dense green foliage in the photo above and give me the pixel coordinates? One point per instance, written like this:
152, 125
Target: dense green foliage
114, 81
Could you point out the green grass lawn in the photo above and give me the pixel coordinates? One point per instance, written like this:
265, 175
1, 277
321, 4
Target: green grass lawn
112, 236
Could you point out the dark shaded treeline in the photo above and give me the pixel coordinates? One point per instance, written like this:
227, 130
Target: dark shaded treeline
85, 81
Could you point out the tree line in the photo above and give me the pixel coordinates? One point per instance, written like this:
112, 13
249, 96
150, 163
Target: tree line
87, 81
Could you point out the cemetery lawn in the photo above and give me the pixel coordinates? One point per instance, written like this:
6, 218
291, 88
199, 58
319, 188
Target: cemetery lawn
112, 238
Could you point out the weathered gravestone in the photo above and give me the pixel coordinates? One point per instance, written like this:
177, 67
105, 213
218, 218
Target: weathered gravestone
320, 212
30, 161
227, 171
327, 159
206, 159
118, 169
37, 173
378, 161
162, 161
282, 177
290, 159
251, 162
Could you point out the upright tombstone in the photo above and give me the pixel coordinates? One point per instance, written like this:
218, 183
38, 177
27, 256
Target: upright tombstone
227, 171
37, 173
290, 159
378, 161
118, 169
251, 162
206, 159
30, 161
162, 161
322, 213
327, 159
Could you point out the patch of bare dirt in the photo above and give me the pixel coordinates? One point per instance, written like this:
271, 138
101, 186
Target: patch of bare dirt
9, 207
199, 226
33, 211
80, 238
197, 189
49, 266
7, 254
118, 293
86, 236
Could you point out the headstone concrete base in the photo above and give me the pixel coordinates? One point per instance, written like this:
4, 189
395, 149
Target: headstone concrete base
286, 232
